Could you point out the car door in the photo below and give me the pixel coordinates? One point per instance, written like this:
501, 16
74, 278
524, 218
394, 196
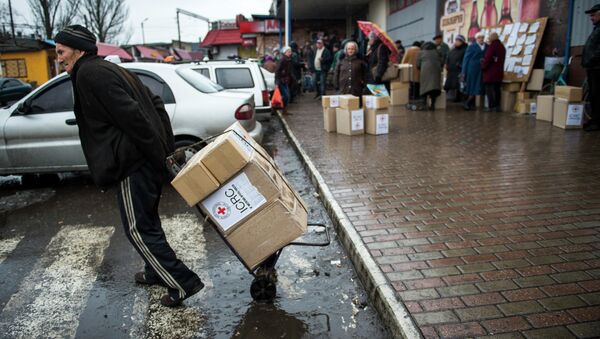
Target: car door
46, 137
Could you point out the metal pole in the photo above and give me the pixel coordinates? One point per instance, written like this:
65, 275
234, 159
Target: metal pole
288, 22
178, 30
12, 23
143, 34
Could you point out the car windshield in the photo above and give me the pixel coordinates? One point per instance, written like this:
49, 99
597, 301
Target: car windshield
198, 81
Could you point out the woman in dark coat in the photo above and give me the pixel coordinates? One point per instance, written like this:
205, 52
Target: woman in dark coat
471, 70
378, 56
430, 65
284, 76
493, 71
349, 76
454, 66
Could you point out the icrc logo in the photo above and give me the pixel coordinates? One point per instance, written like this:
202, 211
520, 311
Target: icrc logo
221, 210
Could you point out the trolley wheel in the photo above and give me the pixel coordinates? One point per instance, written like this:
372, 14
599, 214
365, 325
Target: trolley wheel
263, 289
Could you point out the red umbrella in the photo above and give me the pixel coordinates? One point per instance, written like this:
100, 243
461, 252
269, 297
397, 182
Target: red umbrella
367, 27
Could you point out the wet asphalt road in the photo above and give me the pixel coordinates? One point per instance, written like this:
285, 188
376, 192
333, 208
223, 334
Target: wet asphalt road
66, 270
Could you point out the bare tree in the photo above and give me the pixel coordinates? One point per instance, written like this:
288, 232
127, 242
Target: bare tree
105, 18
54, 15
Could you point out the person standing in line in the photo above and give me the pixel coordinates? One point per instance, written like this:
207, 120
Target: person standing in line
471, 70
453, 67
321, 65
493, 72
378, 57
411, 56
401, 51
591, 62
430, 64
284, 77
442, 47
126, 136
350, 73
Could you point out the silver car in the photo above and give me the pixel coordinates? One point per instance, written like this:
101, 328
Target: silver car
38, 134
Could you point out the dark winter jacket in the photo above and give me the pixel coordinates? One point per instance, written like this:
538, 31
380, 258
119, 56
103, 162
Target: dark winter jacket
285, 71
326, 60
591, 50
454, 66
493, 62
349, 76
430, 64
378, 57
122, 125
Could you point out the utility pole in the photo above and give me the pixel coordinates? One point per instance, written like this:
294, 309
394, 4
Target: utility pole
12, 23
143, 35
193, 15
288, 22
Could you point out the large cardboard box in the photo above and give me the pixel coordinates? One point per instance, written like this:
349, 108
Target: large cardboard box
545, 107
228, 155
350, 122
508, 101
246, 193
406, 72
349, 102
195, 182
332, 101
440, 102
329, 122
377, 121
570, 93
398, 85
526, 106
536, 80
400, 96
567, 115
512, 86
375, 102
269, 230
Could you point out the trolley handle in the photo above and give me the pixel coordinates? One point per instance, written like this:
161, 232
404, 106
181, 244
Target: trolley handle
318, 244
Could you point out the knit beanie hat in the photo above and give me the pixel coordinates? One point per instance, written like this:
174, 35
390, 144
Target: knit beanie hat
77, 37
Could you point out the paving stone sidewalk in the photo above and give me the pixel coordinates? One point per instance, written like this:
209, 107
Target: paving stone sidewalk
483, 223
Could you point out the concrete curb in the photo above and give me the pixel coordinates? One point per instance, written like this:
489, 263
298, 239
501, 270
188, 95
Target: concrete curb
392, 311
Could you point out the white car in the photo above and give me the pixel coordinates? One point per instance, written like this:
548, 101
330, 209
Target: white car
38, 134
239, 75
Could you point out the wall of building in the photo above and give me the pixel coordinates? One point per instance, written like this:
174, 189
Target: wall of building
416, 22
37, 65
378, 12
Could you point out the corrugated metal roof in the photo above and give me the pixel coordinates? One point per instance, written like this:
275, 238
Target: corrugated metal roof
582, 26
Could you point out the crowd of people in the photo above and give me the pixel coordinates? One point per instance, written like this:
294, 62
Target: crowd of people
472, 69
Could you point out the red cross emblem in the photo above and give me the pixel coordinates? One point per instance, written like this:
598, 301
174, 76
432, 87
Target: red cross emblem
221, 210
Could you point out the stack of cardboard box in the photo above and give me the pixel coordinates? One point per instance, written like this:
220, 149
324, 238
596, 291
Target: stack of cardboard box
526, 103
568, 108
377, 118
400, 88
512, 98
240, 188
343, 114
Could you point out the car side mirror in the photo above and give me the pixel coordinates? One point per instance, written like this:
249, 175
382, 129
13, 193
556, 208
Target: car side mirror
23, 108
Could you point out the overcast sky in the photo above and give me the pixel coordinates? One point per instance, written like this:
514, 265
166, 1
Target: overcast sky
161, 25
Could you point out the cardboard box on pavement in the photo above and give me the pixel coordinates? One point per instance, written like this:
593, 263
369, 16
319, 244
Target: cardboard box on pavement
349, 102
329, 122
377, 121
375, 102
507, 101
350, 122
405, 72
522, 96
545, 107
569, 93
399, 93
536, 80
332, 101
567, 115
